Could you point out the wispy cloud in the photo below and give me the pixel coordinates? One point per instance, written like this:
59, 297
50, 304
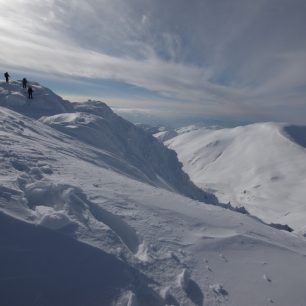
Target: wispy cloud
220, 58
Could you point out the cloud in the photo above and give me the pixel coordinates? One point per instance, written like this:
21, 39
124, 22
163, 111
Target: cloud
222, 58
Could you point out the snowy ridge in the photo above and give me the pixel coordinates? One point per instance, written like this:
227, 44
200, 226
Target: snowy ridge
80, 232
126, 148
261, 167
94, 123
45, 102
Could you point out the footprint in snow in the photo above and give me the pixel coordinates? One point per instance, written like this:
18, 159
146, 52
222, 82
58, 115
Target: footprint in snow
36, 173
218, 289
223, 257
20, 165
191, 288
46, 169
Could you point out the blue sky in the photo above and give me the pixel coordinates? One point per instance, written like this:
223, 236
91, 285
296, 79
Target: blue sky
231, 61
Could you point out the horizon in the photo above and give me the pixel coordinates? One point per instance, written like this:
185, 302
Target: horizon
141, 116
174, 62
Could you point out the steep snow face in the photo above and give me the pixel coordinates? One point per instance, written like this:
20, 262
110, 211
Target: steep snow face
76, 232
45, 102
94, 123
261, 167
126, 148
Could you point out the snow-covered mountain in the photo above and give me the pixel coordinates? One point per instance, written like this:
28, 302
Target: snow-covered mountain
82, 224
123, 147
260, 166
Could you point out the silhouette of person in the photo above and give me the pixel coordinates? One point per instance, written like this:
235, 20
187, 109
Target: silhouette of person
24, 83
30, 92
7, 76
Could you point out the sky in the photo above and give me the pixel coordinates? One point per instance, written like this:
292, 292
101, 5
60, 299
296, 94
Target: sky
178, 60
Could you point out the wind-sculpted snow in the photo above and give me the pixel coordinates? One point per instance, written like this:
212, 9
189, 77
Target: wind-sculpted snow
126, 148
45, 102
41, 267
261, 167
94, 123
77, 228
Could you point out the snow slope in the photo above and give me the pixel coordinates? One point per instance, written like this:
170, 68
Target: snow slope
75, 231
261, 167
122, 146
45, 102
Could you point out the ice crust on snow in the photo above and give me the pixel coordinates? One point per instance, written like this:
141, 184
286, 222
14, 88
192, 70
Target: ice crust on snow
85, 224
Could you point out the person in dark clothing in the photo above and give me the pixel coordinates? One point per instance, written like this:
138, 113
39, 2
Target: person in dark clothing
7, 76
30, 92
24, 83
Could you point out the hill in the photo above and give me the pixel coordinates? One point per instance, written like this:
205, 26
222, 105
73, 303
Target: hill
260, 166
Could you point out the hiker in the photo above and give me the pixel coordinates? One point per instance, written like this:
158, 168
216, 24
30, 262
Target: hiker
30, 92
7, 76
24, 83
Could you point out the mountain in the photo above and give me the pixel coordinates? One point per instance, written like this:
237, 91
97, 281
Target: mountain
122, 146
82, 225
260, 166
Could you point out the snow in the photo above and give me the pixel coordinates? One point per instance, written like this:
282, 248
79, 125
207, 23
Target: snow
165, 135
45, 101
52, 219
218, 289
184, 279
261, 167
137, 153
85, 224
